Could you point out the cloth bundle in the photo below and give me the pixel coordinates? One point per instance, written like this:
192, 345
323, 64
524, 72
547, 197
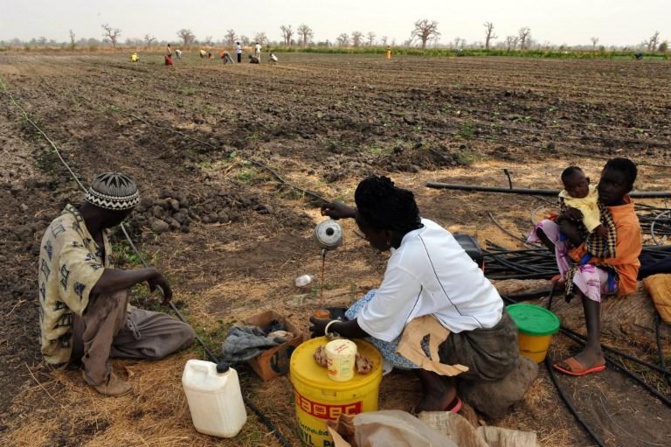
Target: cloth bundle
659, 288
246, 342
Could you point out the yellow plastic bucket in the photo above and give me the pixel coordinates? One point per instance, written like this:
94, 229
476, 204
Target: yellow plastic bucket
535, 327
319, 398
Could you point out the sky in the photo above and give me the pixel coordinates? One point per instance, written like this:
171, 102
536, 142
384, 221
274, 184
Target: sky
569, 22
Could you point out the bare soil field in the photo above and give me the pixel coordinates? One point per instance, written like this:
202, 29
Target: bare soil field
237, 159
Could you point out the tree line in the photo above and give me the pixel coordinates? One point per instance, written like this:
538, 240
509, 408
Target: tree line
424, 33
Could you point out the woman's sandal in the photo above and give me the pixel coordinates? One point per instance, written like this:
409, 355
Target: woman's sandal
453, 407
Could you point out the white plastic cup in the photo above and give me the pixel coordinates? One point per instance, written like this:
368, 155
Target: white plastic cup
341, 359
304, 280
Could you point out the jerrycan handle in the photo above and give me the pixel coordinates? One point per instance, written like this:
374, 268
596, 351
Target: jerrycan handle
223, 367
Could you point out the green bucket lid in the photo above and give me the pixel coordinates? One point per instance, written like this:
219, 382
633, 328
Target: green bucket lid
533, 320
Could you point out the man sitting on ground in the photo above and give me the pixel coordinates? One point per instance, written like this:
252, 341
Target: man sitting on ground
84, 311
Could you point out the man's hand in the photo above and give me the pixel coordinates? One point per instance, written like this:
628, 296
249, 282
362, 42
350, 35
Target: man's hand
158, 281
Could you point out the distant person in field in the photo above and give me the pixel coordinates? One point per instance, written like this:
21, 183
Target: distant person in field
238, 51
388, 52
257, 50
168, 55
254, 60
593, 267
203, 53
85, 316
273, 58
226, 58
133, 57
178, 53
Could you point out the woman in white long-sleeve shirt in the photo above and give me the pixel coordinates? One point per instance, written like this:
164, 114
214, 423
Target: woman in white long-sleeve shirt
430, 280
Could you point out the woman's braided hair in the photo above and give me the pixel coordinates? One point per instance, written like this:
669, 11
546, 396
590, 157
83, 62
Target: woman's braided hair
384, 206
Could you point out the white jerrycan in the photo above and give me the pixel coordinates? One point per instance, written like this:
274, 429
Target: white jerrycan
214, 397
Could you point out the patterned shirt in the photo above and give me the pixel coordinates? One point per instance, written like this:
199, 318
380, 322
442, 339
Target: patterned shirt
70, 265
628, 247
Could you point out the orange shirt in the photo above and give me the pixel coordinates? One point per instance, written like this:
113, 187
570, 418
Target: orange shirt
628, 247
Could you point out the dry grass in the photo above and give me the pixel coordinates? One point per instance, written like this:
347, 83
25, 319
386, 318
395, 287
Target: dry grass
154, 414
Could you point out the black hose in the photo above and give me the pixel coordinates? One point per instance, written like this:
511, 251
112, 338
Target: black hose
665, 400
267, 422
659, 369
569, 404
213, 358
540, 192
660, 353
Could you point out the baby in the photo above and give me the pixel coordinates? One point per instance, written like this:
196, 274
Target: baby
579, 194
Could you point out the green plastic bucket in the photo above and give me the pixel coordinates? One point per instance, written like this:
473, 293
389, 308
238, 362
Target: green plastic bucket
535, 327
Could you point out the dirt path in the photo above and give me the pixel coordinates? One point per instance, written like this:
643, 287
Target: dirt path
201, 134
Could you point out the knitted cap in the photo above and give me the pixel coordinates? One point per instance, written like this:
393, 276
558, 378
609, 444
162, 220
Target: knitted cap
113, 191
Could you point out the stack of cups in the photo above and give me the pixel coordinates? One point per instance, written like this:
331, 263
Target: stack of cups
341, 358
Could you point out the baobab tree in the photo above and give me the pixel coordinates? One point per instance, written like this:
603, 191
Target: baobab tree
371, 38
343, 40
524, 37
594, 40
72, 40
489, 34
424, 31
652, 42
357, 38
261, 39
287, 34
149, 40
230, 38
305, 32
511, 42
187, 36
111, 34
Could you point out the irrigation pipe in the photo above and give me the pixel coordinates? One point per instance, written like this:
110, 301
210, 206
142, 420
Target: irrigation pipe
267, 422
652, 226
579, 339
205, 143
609, 359
564, 397
540, 192
41, 132
660, 352
491, 216
574, 335
569, 404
